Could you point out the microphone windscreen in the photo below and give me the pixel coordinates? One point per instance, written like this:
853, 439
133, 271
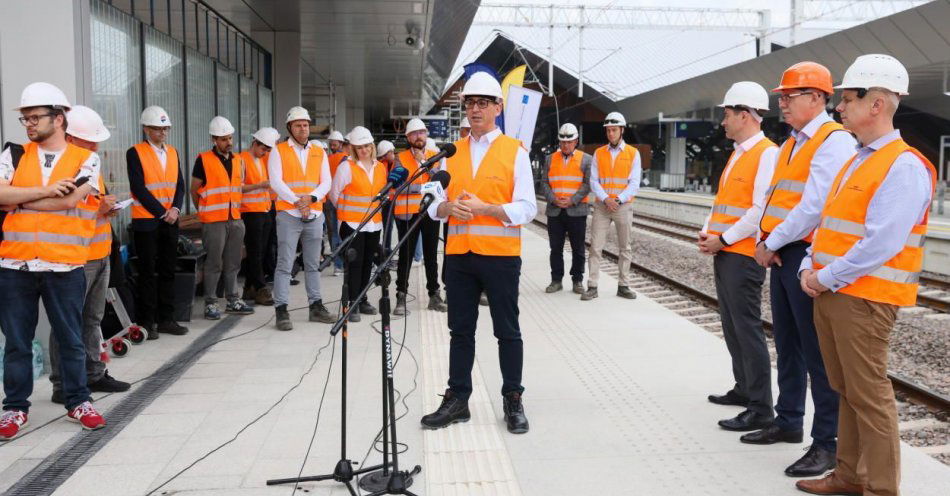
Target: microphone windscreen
449, 149
398, 175
443, 177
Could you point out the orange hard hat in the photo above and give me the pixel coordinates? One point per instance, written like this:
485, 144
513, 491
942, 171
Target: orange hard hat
807, 75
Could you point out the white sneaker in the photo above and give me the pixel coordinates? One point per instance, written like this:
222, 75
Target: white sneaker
416, 263
337, 272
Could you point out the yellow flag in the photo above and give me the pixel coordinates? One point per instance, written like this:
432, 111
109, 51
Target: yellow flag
515, 77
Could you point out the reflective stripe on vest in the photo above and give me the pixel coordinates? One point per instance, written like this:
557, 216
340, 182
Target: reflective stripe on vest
407, 203
101, 245
220, 197
61, 236
842, 226
565, 178
301, 179
614, 174
356, 199
255, 171
161, 183
734, 197
493, 183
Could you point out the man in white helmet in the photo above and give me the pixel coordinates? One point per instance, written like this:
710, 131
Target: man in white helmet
863, 264
85, 129
464, 128
47, 233
565, 189
729, 235
158, 194
490, 196
300, 176
257, 202
217, 181
614, 180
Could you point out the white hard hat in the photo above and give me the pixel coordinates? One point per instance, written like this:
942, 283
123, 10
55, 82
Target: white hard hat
318, 143
876, 71
298, 114
42, 95
746, 94
415, 125
384, 147
220, 126
465, 123
430, 145
155, 116
481, 84
615, 119
567, 132
359, 135
84, 123
268, 136
336, 136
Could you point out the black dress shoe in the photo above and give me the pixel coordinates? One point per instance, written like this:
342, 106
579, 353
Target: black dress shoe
730, 398
152, 331
771, 435
514, 414
366, 309
746, 421
58, 397
816, 462
172, 327
109, 384
453, 409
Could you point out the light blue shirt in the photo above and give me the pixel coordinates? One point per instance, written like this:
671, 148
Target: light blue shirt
633, 180
828, 160
900, 203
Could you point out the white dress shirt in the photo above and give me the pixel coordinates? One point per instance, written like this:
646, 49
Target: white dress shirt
161, 153
633, 180
275, 173
748, 224
900, 203
828, 160
524, 204
341, 180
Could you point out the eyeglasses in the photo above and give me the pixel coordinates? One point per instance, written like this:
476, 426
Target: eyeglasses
787, 98
32, 120
157, 129
481, 102
565, 137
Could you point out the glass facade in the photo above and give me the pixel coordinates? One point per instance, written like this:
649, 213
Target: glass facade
165, 80
249, 109
227, 86
201, 105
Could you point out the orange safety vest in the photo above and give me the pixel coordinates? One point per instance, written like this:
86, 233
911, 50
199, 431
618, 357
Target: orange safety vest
734, 197
160, 183
494, 183
407, 203
59, 236
791, 174
101, 245
614, 175
356, 199
334, 159
566, 178
842, 225
220, 196
258, 200
301, 182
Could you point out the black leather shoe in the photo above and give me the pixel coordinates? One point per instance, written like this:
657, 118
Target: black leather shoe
452, 410
746, 421
283, 318
172, 327
367, 309
816, 462
771, 435
152, 331
514, 414
109, 384
58, 397
554, 287
319, 313
730, 398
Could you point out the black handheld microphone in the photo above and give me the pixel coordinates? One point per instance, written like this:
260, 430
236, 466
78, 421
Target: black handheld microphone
434, 189
447, 151
397, 176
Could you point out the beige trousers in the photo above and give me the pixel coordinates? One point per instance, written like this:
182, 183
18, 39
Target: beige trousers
623, 220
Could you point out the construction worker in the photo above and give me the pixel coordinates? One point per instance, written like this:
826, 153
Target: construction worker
216, 184
806, 166
464, 128
256, 204
863, 264
490, 196
614, 179
386, 153
47, 233
357, 181
85, 129
300, 175
338, 153
565, 191
406, 209
729, 236
158, 190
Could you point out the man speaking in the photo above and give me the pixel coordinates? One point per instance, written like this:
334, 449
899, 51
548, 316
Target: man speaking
491, 195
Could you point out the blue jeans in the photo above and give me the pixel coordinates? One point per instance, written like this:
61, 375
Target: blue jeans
333, 231
63, 294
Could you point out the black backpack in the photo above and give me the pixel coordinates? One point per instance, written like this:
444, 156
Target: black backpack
16, 151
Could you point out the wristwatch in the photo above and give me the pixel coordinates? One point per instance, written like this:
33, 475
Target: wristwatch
313, 199
723, 241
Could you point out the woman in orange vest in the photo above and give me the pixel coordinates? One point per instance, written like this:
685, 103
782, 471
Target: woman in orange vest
257, 201
338, 153
357, 182
863, 265
729, 236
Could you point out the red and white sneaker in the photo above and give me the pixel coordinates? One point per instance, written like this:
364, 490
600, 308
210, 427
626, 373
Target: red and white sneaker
87, 416
12, 423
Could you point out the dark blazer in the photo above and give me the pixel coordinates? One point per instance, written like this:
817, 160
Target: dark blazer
578, 209
145, 197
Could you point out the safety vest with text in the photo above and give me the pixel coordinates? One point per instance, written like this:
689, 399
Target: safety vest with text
220, 196
160, 182
407, 203
356, 199
302, 180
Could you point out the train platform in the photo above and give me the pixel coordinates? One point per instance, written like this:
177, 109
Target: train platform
615, 393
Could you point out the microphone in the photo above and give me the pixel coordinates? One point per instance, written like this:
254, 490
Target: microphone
447, 151
397, 176
434, 189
